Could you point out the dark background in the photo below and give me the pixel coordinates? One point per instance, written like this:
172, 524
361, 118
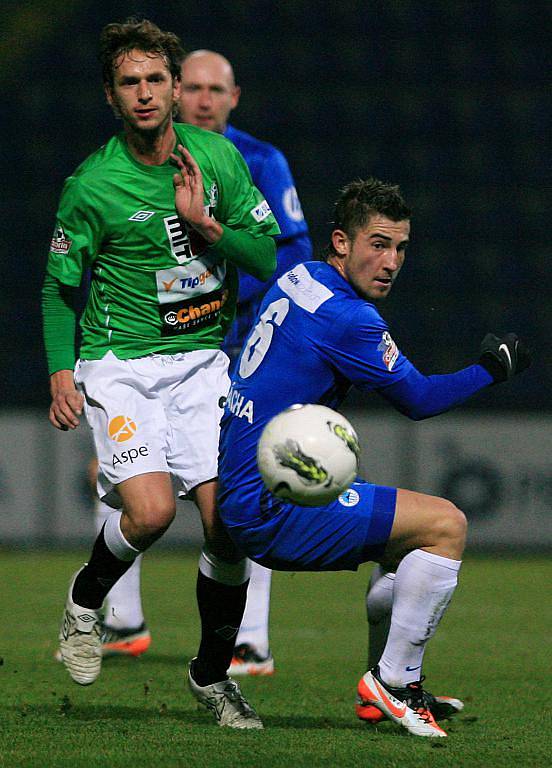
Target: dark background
451, 100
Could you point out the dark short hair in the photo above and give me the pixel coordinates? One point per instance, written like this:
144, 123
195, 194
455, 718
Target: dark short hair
142, 34
359, 200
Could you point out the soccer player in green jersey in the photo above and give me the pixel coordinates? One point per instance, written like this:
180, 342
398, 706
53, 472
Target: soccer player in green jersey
162, 216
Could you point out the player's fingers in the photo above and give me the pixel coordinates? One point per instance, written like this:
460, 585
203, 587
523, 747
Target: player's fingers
57, 419
67, 411
177, 160
75, 401
193, 167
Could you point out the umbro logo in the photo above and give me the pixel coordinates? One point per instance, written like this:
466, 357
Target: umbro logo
86, 617
141, 215
227, 632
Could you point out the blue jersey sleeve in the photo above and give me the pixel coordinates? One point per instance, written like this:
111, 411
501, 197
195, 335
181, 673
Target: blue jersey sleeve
366, 354
276, 183
419, 396
360, 346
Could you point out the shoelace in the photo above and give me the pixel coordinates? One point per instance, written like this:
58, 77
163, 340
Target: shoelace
420, 701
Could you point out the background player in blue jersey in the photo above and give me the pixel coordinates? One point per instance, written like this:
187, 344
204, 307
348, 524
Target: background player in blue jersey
209, 93
317, 334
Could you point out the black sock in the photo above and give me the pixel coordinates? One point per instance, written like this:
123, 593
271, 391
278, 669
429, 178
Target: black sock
99, 575
221, 610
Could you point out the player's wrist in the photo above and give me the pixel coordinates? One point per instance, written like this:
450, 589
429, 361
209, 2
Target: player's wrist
62, 380
209, 229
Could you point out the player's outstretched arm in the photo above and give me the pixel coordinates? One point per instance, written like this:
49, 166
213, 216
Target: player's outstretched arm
419, 396
67, 402
504, 357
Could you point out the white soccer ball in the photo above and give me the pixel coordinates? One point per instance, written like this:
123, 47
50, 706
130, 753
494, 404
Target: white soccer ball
308, 454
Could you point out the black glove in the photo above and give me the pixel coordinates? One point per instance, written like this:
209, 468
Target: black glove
504, 357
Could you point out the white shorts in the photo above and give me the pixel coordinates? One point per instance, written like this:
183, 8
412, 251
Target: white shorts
159, 413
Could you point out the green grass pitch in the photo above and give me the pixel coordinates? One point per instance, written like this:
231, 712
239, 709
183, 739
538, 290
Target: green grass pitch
492, 650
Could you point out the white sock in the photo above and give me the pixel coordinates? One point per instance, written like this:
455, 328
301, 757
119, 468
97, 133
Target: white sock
379, 602
123, 604
254, 626
424, 585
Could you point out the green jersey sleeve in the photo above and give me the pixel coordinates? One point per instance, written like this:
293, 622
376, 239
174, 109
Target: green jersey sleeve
77, 234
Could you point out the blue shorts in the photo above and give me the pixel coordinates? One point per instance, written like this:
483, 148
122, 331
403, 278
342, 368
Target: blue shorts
285, 537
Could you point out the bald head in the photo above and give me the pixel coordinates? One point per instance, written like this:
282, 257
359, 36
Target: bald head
209, 92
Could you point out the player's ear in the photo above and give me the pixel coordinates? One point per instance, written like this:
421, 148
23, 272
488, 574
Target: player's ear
109, 96
340, 242
177, 88
236, 93
111, 100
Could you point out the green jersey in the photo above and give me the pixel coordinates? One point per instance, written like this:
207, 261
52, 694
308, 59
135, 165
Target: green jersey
156, 285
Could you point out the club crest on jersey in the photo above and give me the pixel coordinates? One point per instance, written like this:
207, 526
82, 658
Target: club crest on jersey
389, 349
60, 242
213, 198
349, 498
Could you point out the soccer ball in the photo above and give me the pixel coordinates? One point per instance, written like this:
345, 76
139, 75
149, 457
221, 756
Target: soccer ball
308, 454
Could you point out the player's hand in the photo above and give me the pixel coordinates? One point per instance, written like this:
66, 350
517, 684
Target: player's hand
189, 194
504, 357
67, 402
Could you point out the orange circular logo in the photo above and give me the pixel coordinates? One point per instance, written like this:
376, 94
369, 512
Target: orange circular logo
121, 429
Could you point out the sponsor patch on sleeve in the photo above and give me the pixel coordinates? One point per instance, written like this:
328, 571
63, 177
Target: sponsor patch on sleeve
261, 211
389, 350
60, 242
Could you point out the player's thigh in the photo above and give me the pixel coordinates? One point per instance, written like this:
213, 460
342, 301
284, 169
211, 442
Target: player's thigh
194, 407
424, 521
128, 425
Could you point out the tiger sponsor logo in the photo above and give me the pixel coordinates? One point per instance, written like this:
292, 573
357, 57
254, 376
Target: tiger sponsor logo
60, 242
389, 350
121, 428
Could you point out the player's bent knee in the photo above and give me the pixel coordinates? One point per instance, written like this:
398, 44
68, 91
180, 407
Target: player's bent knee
151, 522
451, 523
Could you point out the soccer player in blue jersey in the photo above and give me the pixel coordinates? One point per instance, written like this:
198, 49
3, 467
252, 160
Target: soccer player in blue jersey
317, 334
208, 95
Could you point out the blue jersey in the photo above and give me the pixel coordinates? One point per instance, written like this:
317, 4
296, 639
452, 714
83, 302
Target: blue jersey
271, 174
315, 338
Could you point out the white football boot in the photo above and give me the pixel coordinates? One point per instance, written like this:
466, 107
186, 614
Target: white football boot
226, 702
406, 706
80, 640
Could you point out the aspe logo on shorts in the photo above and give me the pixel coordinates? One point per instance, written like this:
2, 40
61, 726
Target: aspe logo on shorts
60, 242
192, 314
130, 456
121, 428
389, 349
